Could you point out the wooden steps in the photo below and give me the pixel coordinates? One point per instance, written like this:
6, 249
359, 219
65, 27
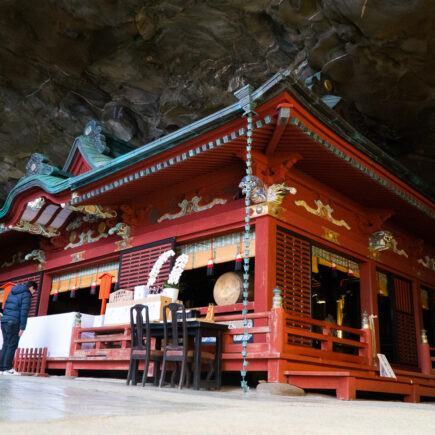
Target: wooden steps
347, 383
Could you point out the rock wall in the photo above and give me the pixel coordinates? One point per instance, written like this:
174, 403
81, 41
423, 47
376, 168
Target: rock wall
147, 68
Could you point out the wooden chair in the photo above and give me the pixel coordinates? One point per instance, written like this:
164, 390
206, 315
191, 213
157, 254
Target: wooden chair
176, 346
141, 346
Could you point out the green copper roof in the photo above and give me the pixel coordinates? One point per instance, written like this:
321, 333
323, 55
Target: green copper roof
48, 183
97, 147
107, 155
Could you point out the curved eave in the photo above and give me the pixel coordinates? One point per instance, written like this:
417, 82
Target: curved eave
342, 128
183, 135
91, 156
49, 184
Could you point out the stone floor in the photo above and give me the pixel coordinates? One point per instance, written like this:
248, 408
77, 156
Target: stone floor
59, 405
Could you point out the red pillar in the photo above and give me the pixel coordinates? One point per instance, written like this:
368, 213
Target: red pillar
369, 294
44, 296
265, 262
276, 365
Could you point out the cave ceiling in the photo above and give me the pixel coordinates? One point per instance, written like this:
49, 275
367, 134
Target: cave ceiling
147, 68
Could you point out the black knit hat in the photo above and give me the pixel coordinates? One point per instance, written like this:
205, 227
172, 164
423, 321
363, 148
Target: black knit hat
32, 284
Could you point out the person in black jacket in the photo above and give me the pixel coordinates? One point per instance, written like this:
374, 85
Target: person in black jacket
13, 323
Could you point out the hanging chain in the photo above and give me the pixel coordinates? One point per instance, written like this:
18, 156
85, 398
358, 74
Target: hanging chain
249, 112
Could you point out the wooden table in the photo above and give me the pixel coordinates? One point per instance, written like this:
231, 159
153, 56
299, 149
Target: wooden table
199, 329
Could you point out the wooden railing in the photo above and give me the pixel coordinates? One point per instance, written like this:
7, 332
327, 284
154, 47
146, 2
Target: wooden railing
278, 333
31, 361
259, 334
311, 337
109, 341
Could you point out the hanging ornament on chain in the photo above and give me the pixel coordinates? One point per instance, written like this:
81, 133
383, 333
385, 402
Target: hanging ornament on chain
73, 288
94, 283
56, 291
249, 113
210, 264
238, 264
349, 270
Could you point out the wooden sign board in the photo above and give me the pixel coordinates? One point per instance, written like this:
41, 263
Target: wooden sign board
385, 369
238, 324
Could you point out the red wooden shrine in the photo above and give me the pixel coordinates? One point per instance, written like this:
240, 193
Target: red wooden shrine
336, 227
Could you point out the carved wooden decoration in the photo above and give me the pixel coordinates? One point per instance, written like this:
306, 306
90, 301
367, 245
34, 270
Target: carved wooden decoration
94, 210
37, 229
189, 207
427, 262
384, 240
323, 211
37, 255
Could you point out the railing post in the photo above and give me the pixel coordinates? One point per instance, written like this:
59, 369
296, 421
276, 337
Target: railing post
425, 358
326, 345
277, 330
69, 370
277, 340
366, 337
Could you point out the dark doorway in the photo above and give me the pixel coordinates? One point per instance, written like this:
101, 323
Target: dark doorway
84, 302
335, 294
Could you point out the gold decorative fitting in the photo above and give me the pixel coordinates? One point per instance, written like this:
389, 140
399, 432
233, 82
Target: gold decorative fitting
374, 255
123, 244
328, 85
424, 336
365, 324
192, 206
323, 211
78, 256
330, 235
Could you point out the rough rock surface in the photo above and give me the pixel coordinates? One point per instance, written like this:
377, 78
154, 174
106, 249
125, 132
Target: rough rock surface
147, 68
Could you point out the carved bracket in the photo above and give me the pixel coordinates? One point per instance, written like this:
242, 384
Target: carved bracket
37, 229
272, 169
192, 206
260, 192
16, 259
323, 211
93, 210
86, 237
121, 229
427, 262
384, 240
37, 255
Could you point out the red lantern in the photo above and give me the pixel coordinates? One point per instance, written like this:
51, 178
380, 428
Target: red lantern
106, 284
94, 284
7, 289
210, 264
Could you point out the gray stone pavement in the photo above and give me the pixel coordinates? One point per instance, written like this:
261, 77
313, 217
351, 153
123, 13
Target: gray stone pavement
59, 405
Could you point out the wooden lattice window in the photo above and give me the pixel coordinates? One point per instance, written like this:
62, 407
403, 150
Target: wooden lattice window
34, 302
293, 267
136, 264
406, 334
